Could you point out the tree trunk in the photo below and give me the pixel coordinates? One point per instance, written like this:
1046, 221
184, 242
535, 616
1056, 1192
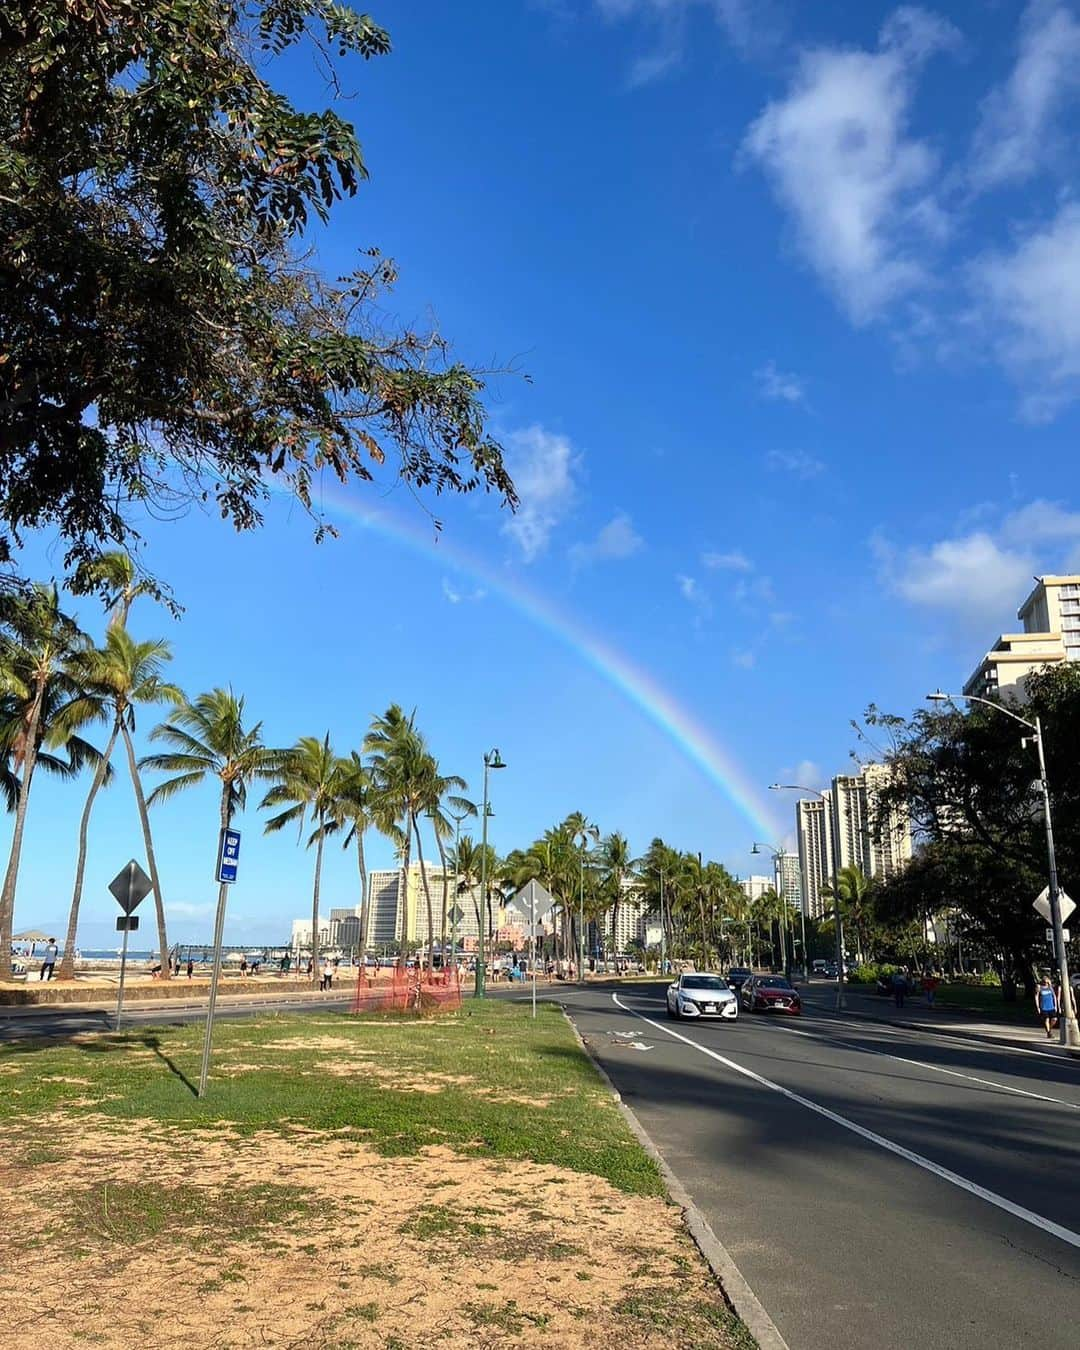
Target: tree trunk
67, 961
704, 939
365, 929
427, 893
615, 925
445, 897
144, 820
7, 896
403, 907
320, 838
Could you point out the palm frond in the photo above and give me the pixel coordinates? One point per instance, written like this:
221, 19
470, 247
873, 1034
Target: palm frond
171, 786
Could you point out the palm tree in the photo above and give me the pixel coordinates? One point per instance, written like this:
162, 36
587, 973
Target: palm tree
465, 862
616, 869
852, 888
352, 813
115, 678
400, 776
39, 700
209, 740
114, 576
440, 790
309, 786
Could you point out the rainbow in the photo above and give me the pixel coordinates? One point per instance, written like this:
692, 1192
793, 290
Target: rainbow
639, 687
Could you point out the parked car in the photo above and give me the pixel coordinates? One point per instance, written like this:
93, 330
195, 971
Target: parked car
737, 977
695, 994
819, 966
770, 993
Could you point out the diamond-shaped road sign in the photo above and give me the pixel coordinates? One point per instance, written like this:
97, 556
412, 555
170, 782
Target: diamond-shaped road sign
456, 913
130, 886
1042, 904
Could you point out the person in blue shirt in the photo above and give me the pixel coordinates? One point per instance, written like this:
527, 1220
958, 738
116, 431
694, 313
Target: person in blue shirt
1046, 1004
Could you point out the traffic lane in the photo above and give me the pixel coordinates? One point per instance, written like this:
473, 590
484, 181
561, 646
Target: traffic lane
1017, 1146
842, 1242
1015, 1067
65, 1025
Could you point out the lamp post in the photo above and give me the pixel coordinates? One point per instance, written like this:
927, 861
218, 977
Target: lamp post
663, 928
779, 852
582, 837
1070, 1032
492, 760
457, 819
839, 923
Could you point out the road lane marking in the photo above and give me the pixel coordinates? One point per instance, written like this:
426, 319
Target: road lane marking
974, 1041
934, 1068
927, 1164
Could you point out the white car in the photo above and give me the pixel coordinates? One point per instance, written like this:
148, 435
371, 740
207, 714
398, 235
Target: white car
698, 995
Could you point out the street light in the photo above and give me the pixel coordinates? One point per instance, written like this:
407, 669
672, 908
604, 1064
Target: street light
779, 852
1070, 1032
584, 834
816, 792
492, 760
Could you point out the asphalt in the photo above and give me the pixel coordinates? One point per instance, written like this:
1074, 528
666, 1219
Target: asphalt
877, 1186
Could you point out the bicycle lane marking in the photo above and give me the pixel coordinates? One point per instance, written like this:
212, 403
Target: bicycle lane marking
1028, 1216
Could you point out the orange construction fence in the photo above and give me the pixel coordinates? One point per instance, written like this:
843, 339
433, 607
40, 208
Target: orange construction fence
406, 989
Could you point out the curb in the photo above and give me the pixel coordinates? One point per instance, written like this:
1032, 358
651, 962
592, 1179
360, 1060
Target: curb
732, 1283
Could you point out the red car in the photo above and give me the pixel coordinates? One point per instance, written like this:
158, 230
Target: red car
770, 993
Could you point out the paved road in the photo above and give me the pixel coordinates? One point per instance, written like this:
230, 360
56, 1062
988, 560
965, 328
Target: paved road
71, 1020
877, 1187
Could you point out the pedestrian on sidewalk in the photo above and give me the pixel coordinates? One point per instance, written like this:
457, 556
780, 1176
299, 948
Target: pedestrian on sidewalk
48, 960
930, 986
899, 987
327, 980
1046, 1004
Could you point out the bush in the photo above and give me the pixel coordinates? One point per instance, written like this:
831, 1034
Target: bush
870, 972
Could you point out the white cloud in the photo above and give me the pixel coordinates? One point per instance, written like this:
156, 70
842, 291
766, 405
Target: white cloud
840, 157
1017, 134
727, 562
1029, 300
749, 25
618, 539
456, 597
980, 577
795, 462
804, 774
780, 386
542, 465
688, 588
754, 592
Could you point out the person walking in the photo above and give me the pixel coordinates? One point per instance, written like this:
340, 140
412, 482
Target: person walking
930, 986
48, 960
327, 981
899, 987
1046, 1004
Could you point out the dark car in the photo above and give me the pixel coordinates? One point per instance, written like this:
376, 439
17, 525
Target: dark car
770, 993
737, 978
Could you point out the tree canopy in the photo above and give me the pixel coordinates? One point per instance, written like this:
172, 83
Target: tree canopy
163, 338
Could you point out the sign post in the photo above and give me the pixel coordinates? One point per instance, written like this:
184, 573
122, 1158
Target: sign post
129, 888
228, 862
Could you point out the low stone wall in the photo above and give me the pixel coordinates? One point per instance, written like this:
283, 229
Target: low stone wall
182, 989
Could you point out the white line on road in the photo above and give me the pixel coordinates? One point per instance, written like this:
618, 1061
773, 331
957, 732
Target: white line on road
972, 1042
934, 1068
973, 1188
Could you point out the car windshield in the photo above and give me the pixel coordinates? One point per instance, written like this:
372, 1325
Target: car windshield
773, 982
702, 982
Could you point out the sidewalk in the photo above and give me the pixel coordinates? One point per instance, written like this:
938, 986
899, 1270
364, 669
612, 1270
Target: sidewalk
916, 1016
182, 1002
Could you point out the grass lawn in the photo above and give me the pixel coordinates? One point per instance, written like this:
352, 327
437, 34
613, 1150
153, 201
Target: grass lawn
987, 1002
347, 1182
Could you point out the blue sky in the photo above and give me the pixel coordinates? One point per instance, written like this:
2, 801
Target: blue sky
797, 287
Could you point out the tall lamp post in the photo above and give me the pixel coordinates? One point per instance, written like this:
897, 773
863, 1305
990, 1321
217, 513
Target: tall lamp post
457, 819
779, 853
838, 922
492, 760
1070, 1032
582, 837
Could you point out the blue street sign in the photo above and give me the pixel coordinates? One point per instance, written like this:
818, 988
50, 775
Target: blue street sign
228, 856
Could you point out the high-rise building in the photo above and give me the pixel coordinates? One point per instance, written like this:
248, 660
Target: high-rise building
866, 835
1051, 634
789, 879
399, 913
755, 887
813, 824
